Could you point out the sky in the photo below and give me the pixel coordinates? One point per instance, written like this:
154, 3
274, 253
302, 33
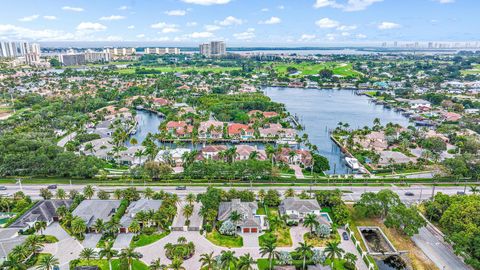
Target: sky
240, 22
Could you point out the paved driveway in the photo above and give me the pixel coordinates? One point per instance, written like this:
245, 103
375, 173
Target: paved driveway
91, 240
66, 250
123, 240
250, 239
297, 232
349, 246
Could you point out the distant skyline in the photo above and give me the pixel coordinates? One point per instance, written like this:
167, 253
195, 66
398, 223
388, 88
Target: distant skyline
241, 22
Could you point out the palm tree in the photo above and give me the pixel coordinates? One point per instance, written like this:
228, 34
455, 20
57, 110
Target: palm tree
39, 226
134, 227
474, 189
21, 252
108, 253
60, 194
191, 198
269, 248
114, 225
148, 193
333, 251
207, 260
47, 262
290, 193
261, 195
310, 221
129, 254
227, 259
78, 226
157, 265
14, 263
99, 225
305, 251
88, 254
34, 244
235, 217
350, 257
88, 191
176, 264
187, 211
245, 262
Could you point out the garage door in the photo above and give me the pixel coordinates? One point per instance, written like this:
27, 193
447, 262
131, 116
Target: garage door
246, 230
254, 230
123, 230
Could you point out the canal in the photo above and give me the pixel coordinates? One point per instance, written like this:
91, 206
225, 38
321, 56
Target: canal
320, 110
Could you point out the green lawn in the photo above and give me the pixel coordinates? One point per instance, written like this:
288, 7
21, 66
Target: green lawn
306, 68
103, 264
144, 239
473, 71
261, 209
281, 233
225, 240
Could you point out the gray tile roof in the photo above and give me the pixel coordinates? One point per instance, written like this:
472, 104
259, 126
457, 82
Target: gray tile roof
91, 210
41, 211
8, 240
299, 205
137, 206
246, 209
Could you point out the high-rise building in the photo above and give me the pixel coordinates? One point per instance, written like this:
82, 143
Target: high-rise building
17, 49
93, 56
72, 59
162, 51
214, 48
121, 51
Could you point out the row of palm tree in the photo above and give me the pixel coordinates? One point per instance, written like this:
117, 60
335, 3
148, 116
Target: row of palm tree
127, 254
227, 261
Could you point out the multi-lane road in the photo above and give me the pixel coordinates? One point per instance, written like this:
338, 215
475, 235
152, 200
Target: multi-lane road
430, 241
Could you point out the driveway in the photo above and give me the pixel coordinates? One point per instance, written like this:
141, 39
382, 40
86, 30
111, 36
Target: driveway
297, 232
123, 240
349, 246
65, 250
91, 240
56, 230
179, 219
298, 171
250, 239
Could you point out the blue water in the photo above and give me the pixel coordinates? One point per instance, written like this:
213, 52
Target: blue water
320, 110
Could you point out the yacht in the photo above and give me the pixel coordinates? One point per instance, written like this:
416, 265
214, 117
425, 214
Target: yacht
352, 163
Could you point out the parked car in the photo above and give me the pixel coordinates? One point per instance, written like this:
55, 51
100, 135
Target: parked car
181, 188
460, 193
408, 193
3, 188
52, 187
345, 236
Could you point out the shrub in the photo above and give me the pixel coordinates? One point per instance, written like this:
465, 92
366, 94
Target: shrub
349, 266
322, 230
227, 228
284, 258
318, 256
208, 227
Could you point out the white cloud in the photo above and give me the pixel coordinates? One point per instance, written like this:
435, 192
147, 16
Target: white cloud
113, 38
123, 8
112, 18
165, 27
29, 18
272, 20
350, 5
264, 10
281, 7
201, 35
388, 25
230, 20
207, 2
176, 12
76, 9
327, 23
211, 27
50, 18
331, 37
131, 27
346, 27
307, 37
445, 1
345, 34
361, 36
141, 36
247, 35
91, 26
192, 24
16, 32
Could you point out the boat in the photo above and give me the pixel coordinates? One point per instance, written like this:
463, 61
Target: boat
352, 163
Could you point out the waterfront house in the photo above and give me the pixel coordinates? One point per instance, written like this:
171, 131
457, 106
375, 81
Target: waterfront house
294, 156
250, 222
419, 104
389, 157
277, 131
159, 102
172, 156
297, 209
240, 131
179, 128
91, 210
210, 129
135, 207
245, 151
211, 152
